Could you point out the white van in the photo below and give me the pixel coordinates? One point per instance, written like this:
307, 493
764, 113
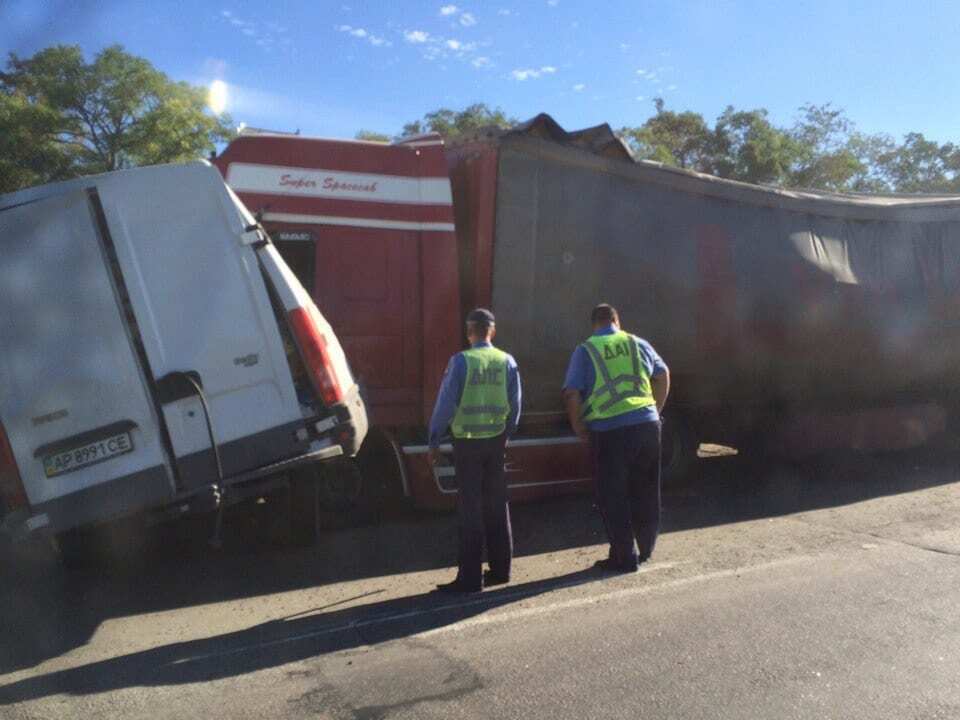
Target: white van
156, 354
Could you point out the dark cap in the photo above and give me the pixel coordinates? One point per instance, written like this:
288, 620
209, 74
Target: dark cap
482, 316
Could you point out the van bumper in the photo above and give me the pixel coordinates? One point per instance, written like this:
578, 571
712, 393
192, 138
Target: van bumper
20, 524
106, 501
347, 425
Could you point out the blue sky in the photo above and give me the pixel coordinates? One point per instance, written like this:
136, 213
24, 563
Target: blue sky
331, 68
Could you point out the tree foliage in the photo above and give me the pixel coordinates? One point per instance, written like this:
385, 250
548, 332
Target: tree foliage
453, 124
677, 139
822, 150
372, 136
61, 116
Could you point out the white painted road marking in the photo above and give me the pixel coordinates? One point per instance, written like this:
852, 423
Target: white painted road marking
504, 616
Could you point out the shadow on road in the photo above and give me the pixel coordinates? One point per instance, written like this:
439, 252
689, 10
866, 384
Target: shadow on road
45, 612
279, 642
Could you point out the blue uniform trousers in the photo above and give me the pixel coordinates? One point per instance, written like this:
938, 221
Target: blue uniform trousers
483, 509
626, 466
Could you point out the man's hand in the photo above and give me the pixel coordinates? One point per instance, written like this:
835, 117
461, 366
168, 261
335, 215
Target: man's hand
571, 399
580, 428
660, 387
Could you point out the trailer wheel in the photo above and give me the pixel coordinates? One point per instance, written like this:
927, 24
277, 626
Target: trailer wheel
678, 448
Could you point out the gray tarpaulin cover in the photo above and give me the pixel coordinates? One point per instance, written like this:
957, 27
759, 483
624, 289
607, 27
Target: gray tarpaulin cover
753, 295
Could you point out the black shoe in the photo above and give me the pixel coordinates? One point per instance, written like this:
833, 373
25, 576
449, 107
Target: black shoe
609, 566
489, 579
456, 587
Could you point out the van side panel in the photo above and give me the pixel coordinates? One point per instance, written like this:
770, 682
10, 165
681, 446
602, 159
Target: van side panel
68, 371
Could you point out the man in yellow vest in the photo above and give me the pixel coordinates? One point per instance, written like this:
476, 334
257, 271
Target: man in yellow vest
479, 401
615, 388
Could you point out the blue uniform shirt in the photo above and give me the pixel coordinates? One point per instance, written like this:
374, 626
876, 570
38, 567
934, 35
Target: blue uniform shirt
581, 376
451, 390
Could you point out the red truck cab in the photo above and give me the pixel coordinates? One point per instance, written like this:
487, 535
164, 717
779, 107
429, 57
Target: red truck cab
370, 230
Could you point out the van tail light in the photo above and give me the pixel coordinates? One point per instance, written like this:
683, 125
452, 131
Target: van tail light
316, 357
11, 486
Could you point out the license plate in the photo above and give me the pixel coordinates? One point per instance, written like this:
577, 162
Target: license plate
89, 454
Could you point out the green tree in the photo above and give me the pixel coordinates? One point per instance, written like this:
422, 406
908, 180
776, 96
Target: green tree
826, 159
870, 150
748, 147
921, 166
77, 118
453, 124
372, 136
29, 154
677, 139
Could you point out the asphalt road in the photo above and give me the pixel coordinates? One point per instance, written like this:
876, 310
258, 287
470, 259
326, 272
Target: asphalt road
827, 590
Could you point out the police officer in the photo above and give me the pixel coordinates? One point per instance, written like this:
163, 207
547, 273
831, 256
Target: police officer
479, 401
615, 386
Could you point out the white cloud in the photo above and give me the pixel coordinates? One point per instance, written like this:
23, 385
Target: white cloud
449, 10
481, 62
466, 19
641, 72
624, 46
453, 44
579, 87
504, 11
553, 3
520, 75
416, 37
641, 98
363, 34
671, 87
264, 33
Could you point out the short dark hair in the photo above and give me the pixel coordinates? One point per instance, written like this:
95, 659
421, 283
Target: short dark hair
479, 327
604, 314
479, 321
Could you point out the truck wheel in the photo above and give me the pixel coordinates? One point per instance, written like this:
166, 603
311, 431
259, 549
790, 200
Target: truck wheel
340, 485
678, 448
325, 495
383, 485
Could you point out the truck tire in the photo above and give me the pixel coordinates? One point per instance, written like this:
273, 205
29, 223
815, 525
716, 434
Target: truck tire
678, 448
383, 486
325, 496
340, 485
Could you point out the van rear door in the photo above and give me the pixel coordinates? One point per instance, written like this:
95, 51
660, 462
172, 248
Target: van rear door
202, 307
74, 399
